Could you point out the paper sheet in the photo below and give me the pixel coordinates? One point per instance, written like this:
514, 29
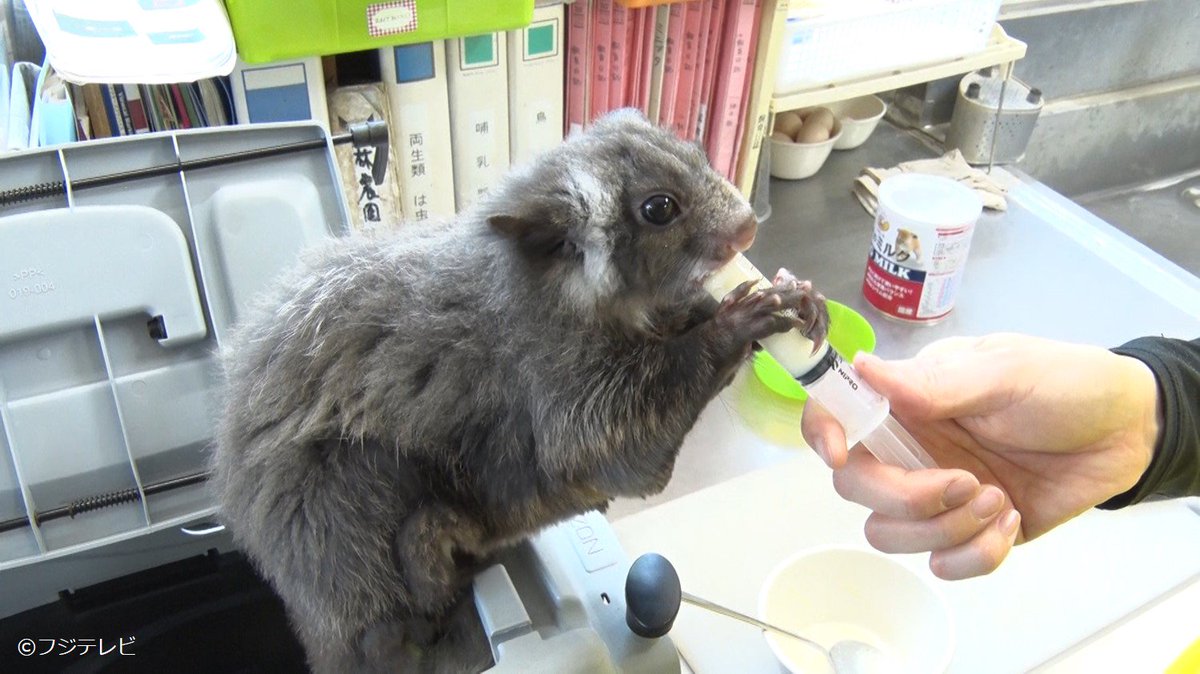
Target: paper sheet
135, 40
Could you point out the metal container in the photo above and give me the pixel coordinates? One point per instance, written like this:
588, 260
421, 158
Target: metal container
987, 132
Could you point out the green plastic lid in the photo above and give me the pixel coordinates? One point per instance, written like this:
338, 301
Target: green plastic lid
849, 333
270, 31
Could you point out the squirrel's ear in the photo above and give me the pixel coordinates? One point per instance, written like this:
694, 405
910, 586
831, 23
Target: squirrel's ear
510, 226
535, 237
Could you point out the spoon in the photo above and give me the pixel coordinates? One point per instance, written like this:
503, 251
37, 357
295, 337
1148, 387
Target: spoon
848, 656
653, 595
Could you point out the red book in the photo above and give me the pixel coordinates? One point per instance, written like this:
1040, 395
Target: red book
578, 55
730, 81
682, 115
599, 67
709, 41
747, 81
649, 15
618, 55
137, 109
633, 61
180, 107
672, 65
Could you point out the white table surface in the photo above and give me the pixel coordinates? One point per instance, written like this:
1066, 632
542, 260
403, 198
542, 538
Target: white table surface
1049, 604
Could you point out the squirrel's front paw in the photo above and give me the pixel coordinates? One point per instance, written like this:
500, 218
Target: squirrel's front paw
811, 315
751, 315
748, 314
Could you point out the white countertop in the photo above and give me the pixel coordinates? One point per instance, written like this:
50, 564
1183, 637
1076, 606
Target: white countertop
1048, 596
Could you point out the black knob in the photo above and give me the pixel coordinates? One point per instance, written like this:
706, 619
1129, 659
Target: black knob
652, 596
973, 90
1035, 96
373, 133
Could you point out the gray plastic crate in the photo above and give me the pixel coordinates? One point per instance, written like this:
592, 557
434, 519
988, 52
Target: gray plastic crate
91, 403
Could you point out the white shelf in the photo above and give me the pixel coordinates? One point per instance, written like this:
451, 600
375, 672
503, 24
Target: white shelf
1001, 50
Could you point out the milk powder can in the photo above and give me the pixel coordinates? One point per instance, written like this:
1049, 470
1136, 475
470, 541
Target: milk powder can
923, 229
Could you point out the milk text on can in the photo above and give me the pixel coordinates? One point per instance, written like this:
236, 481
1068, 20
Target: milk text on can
923, 228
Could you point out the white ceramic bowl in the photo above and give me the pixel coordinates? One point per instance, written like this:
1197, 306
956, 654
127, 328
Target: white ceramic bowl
859, 117
794, 161
837, 592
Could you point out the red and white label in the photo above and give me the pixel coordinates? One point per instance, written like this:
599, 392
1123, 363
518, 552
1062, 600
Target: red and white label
913, 272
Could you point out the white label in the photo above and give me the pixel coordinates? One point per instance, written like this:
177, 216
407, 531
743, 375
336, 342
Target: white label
391, 18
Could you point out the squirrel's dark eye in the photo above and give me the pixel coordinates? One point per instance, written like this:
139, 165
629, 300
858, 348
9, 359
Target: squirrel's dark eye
660, 209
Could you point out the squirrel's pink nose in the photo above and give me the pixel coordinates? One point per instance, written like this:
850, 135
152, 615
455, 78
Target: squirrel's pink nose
743, 238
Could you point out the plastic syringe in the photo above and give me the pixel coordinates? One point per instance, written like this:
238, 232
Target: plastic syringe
835, 384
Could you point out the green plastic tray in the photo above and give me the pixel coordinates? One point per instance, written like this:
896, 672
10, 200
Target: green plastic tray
849, 333
270, 31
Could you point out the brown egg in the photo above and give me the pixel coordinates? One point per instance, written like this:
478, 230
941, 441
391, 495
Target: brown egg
813, 131
789, 123
821, 116
781, 137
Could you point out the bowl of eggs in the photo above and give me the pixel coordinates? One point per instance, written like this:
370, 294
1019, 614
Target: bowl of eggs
802, 141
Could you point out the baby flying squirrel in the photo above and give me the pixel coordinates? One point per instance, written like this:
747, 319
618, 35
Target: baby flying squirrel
397, 410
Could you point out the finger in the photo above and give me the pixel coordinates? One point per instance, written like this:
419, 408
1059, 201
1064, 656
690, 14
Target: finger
938, 387
824, 434
900, 493
980, 555
943, 531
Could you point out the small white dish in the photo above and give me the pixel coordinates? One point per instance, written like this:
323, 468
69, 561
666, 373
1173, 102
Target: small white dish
832, 593
859, 117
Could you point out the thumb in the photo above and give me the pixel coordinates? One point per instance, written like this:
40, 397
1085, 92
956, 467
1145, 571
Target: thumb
939, 386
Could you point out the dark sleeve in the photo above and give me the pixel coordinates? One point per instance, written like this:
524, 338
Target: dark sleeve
1175, 468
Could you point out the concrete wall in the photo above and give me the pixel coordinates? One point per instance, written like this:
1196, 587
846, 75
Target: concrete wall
1122, 84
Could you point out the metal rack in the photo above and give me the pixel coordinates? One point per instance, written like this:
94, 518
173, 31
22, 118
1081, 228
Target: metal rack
1001, 50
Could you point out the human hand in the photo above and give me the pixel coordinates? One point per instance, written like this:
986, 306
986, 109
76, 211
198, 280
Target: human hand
1028, 433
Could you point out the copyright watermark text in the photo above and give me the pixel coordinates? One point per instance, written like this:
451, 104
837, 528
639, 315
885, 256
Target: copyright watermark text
62, 646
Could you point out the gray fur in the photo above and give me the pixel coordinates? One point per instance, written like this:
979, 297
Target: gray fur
398, 410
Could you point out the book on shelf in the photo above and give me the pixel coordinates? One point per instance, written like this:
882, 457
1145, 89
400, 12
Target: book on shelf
107, 110
477, 76
730, 79
600, 39
712, 43
646, 42
689, 66
414, 77
618, 44
658, 61
701, 90
133, 112
672, 60
98, 125
682, 115
636, 40
280, 91
374, 206
744, 100
578, 60
535, 85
